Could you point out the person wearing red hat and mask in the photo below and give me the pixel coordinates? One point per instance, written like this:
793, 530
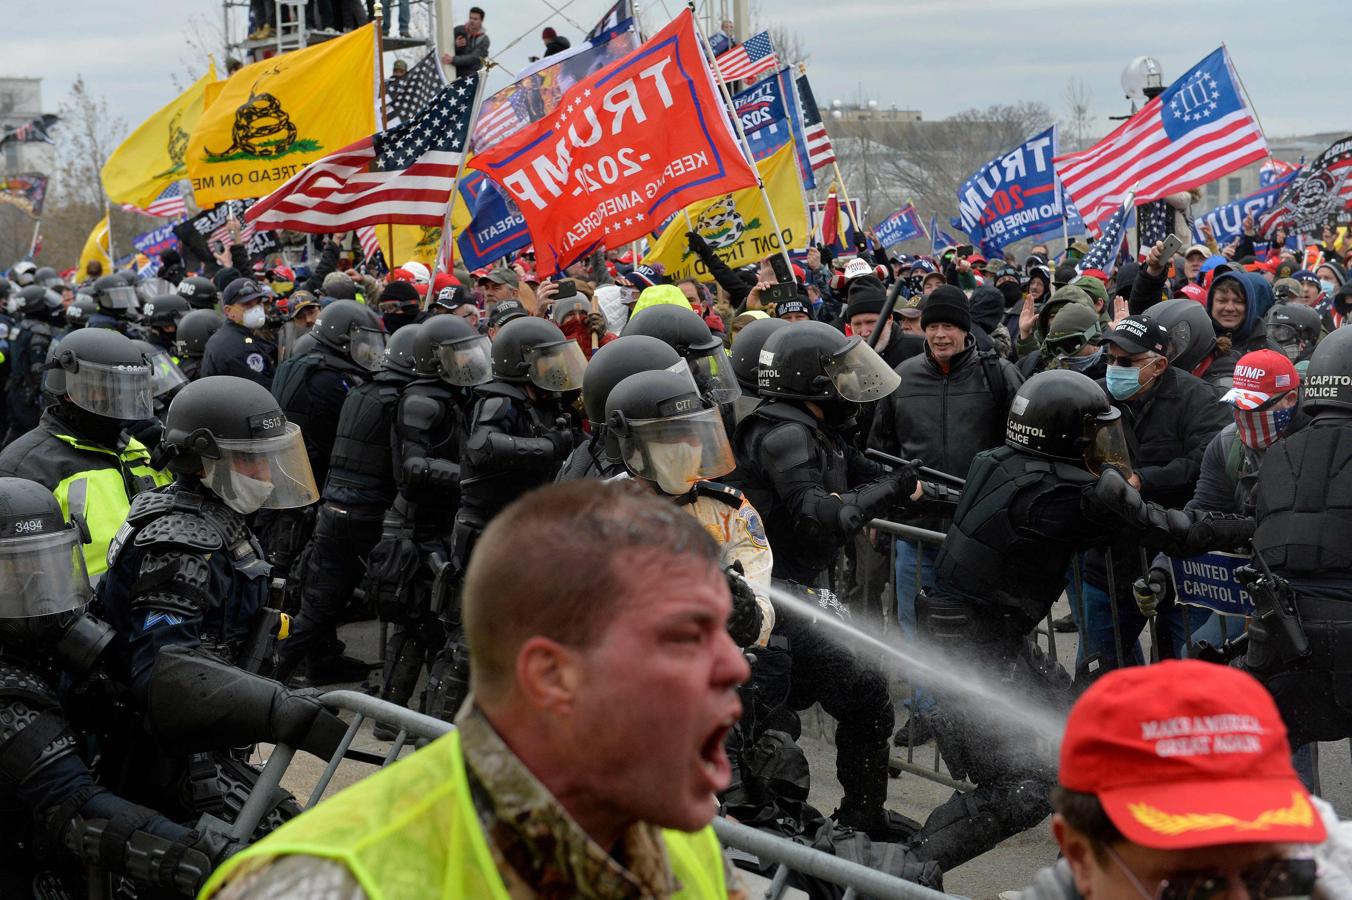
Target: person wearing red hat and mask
1176, 782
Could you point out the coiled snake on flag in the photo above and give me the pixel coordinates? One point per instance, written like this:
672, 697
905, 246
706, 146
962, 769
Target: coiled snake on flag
259, 118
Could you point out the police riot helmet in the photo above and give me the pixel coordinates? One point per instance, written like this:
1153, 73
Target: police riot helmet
1192, 334
79, 311
1328, 380
746, 348
666, 432
626, 355
38, 302
44, 586
454, 350
165, 375
232, 431
682, 329
534, 350
164, 310
128, 277
194, 330
304, 344
200, 292
5, 287
46, 277
1065, 415
23, 272
103, 372
1293, 330
399, 351
814, 361
354, 330
113, 294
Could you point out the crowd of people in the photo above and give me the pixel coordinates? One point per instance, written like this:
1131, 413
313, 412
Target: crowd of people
206, 473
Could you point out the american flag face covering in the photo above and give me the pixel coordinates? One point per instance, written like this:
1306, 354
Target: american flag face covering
1260, 427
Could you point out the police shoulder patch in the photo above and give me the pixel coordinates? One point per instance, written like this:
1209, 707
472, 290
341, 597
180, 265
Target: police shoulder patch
254, 361
750, 521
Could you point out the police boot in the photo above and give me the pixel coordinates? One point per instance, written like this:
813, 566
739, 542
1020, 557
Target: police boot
865, 784
968, 825
335, 669
448, 682
403, 665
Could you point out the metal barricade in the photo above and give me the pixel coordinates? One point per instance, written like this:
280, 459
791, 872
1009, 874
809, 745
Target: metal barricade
785, 856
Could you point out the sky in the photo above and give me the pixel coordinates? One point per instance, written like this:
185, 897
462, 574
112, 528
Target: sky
937, 56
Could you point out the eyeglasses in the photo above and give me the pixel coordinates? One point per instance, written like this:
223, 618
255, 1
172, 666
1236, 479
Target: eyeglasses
1130, 362
1272, 879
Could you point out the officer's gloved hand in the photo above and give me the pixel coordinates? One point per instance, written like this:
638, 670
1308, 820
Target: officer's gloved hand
303, 722
744, 622
563, 441
1150, 591
906, 478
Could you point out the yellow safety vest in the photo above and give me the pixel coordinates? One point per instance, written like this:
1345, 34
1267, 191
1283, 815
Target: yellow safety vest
410, 832
106, 501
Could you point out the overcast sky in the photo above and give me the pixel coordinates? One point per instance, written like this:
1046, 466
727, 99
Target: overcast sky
937, 56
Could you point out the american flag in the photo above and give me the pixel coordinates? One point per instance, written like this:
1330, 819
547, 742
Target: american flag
1323, 187
222, 232
168, 205
510, 110
751, 57
623, 9
31, 131
370, 243
820, 153
406, 95
1103, 255
403, 175
1193, 133
1156, 220
1272, 171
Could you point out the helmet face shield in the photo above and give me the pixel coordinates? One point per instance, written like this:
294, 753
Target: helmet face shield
118, 392
557, 366
43, 575
860, 374
714, 377
677, 452
366, 347
1108, 445
120, 297
153, 287
468, 361
262, 473
165, 375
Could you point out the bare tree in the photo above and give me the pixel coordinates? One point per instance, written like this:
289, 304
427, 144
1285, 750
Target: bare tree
1078, 100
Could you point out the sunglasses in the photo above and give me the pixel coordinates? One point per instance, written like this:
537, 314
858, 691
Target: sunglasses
1129, 362
1273, 879
1070, 344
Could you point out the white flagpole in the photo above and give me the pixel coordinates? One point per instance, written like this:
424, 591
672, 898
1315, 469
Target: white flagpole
444, 244
741, 134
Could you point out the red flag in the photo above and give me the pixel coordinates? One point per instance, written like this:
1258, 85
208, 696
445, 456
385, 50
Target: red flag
626, 147
831, 221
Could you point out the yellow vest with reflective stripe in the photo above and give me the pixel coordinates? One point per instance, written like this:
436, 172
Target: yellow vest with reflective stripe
410, 832
106, 500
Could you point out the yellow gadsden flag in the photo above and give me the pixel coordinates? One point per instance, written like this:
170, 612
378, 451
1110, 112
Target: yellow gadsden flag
737, 225
152, 157
96, 247
402, 243
275, 116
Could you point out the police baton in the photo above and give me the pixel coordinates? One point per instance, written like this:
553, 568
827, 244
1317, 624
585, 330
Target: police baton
886, 315
931, 474
1154, 618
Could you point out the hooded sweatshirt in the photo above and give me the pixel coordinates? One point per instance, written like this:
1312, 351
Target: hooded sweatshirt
1257, 301
1065, 294
987, 306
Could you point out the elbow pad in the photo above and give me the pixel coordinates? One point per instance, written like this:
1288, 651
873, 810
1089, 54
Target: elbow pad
437, 473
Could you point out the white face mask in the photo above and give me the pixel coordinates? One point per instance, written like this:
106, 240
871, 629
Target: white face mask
249, 493
676, 466
254, 317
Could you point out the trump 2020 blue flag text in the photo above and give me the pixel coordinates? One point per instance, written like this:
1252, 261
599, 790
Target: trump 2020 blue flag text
1013, 196
902, 225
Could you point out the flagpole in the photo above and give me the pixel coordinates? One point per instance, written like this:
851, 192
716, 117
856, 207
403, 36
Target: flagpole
108, 217
32, 244
377, 23
741, 134
444, 244
1247, 99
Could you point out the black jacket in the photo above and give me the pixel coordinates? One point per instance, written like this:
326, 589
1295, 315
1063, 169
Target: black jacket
235, 350
945, 418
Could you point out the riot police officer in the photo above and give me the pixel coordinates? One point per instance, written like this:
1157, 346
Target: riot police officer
185, 569
599, 455
97, 384
1293, 330
79, 312
238, 348
160, 316
1057, 487
39, 310
359, 488
746, 362
1300, 641
117, 303
682, 329
429, 432
190, 339
815, 491
200, 292
56, 810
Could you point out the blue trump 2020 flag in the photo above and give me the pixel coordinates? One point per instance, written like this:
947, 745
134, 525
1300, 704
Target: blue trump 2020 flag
770, 117
1227, 220
497, 227
902, 225
1013, 196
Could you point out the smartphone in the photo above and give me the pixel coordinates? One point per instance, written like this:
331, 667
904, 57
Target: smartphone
787, 288
964, 251
781, 268
1172, 244
214, 247
567, 289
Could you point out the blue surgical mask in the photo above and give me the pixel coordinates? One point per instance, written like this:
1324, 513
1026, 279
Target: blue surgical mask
1123, 381
1082, 363
1328, 287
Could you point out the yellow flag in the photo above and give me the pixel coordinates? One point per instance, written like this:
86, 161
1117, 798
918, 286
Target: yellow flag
401, 243
151, 158
737, 225
276, 115
96, 247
